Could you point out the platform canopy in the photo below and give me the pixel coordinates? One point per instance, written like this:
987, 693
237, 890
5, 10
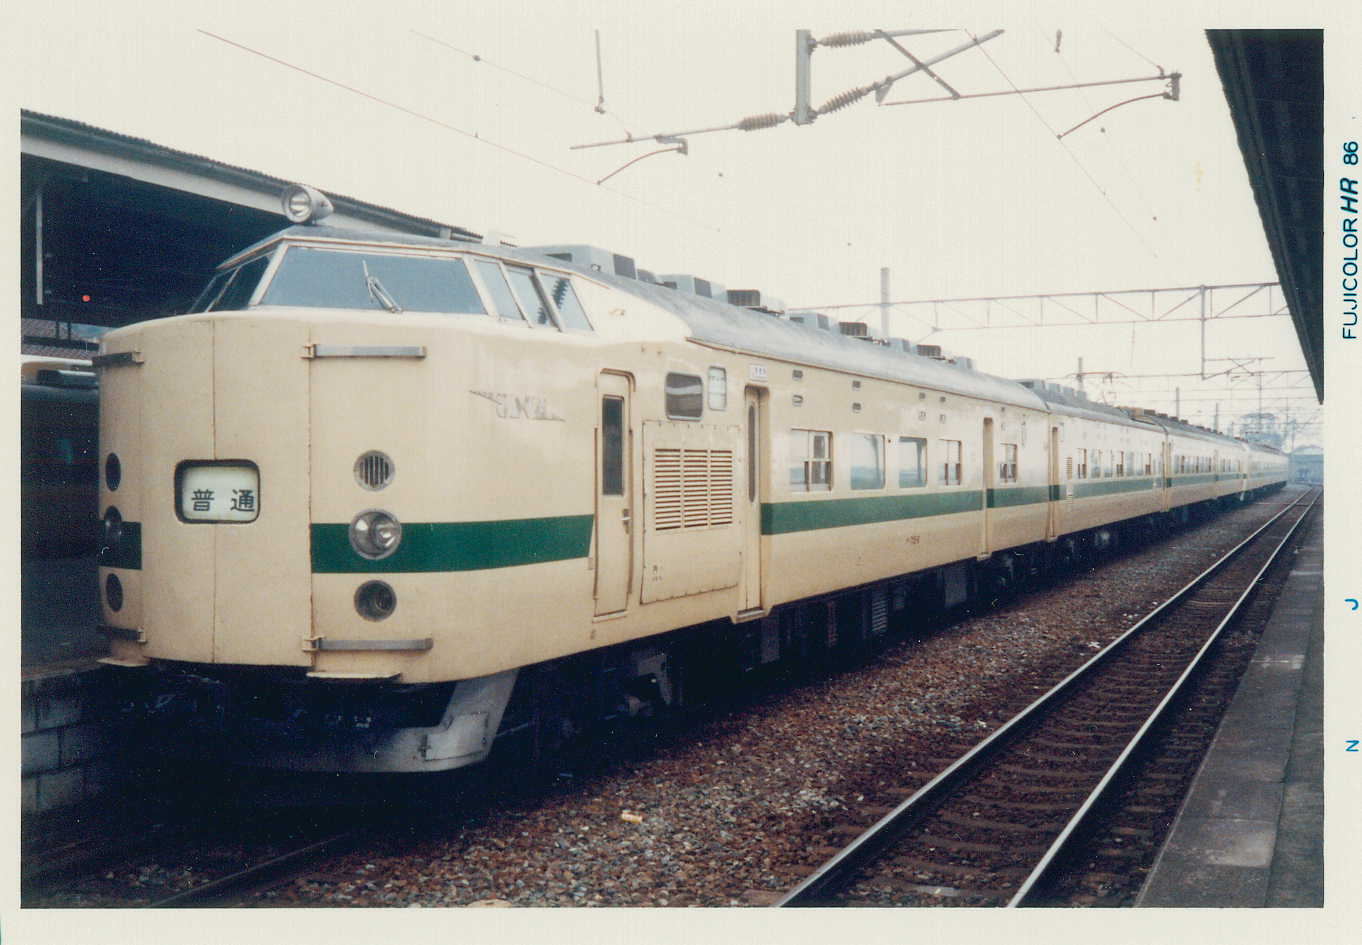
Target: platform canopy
115, 229
1274, 84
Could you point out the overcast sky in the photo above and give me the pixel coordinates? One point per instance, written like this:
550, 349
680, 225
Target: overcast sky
957, 199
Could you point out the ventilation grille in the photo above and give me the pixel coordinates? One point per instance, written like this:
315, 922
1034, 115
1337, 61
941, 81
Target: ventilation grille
374, 470
692, 488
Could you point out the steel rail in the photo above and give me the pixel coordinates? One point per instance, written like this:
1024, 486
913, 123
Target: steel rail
838, 869
1046, 868
214, 892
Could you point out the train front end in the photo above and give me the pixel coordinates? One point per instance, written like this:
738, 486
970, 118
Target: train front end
271, 582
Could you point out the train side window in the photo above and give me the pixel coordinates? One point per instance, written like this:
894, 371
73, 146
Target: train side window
531, 299
1148, 464
1082, 464
685, 395
570, 309
499, 290
1007, 469
718, 389
1120, 463
912, 462
810, 461
612, 446
867, 461
950, 465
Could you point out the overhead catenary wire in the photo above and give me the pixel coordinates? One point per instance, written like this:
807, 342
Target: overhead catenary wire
597, 106
1132, 49
538, 162
1074, 157
1120, 156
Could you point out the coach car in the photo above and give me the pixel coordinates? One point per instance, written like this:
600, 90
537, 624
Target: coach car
380, 500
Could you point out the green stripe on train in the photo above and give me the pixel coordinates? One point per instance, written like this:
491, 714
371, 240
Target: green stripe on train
780, 518
1085, 489
458, 546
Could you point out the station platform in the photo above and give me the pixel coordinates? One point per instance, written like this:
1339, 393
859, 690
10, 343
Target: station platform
1251, 831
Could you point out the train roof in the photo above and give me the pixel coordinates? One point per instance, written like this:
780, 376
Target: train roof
1062, 400
720, 325
1182, 428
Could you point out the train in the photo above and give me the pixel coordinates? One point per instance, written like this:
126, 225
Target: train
380, 502
58, 463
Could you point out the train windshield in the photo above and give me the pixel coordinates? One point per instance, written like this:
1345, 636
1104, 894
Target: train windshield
232, 289
325, 278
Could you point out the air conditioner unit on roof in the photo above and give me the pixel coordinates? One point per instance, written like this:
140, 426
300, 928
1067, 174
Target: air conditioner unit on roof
593, 258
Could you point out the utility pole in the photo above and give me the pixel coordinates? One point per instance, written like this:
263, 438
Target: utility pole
1177, 402
1080, 377
884, 302
1216, 425
803, 111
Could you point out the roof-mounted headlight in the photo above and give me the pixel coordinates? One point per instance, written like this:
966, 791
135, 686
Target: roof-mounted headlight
303, 204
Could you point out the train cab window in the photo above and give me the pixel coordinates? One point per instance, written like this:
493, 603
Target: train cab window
1007, 469
325, 278
532, 300
810, 461
685, 395
498, 290
867, 460
950, 465
570, 309
231, 291
912, 462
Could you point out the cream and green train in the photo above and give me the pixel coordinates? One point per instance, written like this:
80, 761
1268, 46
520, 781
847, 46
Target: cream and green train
382, 500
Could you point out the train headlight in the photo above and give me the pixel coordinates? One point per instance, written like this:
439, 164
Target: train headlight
304, 204
111, 534
375, 600
375, 534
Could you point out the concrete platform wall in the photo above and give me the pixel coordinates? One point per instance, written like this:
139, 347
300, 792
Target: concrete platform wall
69, 755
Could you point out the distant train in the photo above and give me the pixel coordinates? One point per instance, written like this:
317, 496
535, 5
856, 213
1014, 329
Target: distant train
381, 500
58, 457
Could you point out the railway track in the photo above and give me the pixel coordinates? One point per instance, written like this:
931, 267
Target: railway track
995, 827
178, 863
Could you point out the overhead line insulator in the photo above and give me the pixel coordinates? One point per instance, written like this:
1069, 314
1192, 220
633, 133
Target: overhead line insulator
757, 122
844, 99
850, 38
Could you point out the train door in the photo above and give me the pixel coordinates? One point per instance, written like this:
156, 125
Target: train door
1056, 491
753, 412
1166, 474
987, 486
614, 495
